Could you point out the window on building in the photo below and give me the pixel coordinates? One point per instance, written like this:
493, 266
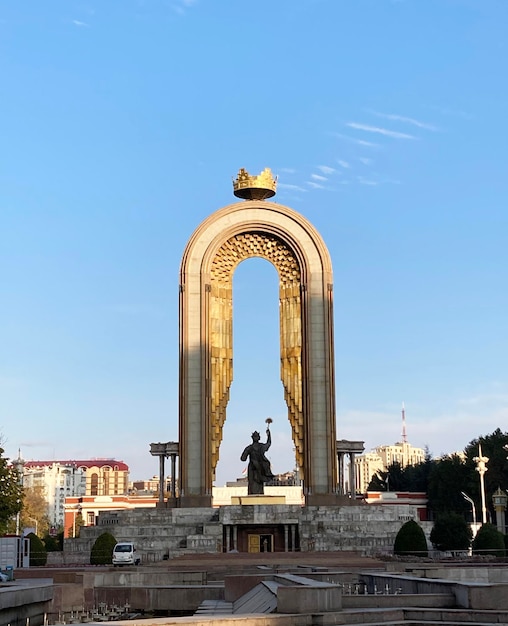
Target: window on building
105, 481
94, 484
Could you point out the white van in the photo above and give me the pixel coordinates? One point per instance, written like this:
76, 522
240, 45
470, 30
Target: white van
124, 553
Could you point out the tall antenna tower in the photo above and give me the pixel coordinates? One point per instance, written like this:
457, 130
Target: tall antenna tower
404, 435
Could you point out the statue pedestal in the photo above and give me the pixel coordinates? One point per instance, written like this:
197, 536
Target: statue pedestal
258, 499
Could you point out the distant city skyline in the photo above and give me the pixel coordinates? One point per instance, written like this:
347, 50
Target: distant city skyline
123, 124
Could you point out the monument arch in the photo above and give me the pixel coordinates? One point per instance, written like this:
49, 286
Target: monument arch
256, 228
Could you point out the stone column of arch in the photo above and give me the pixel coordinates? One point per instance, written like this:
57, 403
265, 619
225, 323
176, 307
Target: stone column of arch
285, 238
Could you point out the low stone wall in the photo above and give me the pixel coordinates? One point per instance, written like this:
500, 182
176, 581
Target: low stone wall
468, 595
25, 602
491, 574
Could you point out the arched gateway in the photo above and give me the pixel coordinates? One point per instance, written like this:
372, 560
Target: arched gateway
256, 228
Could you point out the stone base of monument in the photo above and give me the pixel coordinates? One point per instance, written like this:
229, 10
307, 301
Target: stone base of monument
160, 534
261, 498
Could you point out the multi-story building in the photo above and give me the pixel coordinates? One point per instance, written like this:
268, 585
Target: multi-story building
58, 480
381, 458
366, 465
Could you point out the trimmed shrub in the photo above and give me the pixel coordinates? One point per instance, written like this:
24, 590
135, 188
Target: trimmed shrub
489, 540
38, 554
102, 549
451, 532
51, 543
410, 540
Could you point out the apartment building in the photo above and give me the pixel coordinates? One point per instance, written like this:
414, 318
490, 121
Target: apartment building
378, 459
61, 479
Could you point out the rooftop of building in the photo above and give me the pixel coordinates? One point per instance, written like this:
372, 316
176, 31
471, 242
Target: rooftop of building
113, 463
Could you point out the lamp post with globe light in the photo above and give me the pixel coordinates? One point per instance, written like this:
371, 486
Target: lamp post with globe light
481, 468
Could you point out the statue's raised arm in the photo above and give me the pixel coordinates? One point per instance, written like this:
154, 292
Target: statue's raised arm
268, 439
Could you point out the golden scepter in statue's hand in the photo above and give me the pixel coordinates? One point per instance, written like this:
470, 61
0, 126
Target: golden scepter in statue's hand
268, 421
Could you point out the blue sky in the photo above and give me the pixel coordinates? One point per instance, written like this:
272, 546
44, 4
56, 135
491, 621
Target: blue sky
122, 123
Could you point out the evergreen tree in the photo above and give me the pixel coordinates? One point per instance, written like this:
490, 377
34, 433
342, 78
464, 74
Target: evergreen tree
410, 540
52, 544
489, 541
391, 480
451, 532
38, 553
102, 549
448, 478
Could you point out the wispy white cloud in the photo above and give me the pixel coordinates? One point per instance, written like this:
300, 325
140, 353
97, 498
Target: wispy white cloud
359, 142
287, 170
318, 177
365, 160
326, 169
343, 164
315, 185
379, 130
291, 187
405, 120
80, 24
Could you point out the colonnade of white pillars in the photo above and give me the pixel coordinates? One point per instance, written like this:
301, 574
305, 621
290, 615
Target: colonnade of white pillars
164, 451
351, 449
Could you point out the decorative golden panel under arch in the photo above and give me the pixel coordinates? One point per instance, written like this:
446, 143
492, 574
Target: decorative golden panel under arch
232, 252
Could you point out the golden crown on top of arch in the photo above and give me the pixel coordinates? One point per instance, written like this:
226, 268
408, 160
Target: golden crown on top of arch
258, 187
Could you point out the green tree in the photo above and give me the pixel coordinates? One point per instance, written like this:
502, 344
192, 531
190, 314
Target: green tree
390, 480
52, 544
102, 549
38, 554
11, 493
489, 540
449, 476
410, 540
451, 532
410, 478
417, 476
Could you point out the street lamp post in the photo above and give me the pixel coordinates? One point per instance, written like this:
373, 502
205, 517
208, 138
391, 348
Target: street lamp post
473, 508
32, 519
19, 465
481, 468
